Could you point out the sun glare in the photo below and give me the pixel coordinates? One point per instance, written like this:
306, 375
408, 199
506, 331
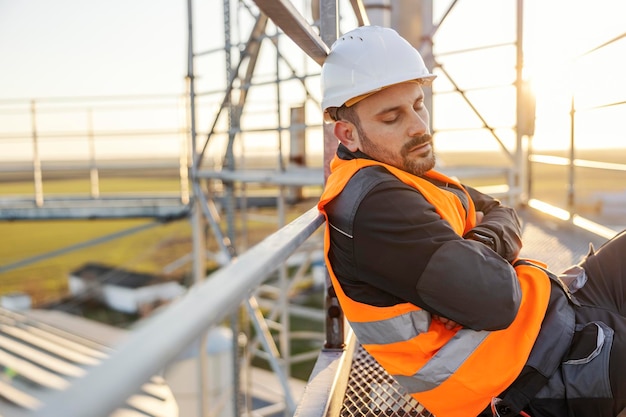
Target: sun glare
569, 57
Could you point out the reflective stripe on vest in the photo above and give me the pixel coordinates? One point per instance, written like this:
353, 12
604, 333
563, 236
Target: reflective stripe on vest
396, 329
445, 363
410, 325
451, 372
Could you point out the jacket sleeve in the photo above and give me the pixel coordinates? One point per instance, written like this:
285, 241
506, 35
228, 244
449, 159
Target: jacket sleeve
500, 223
403, 247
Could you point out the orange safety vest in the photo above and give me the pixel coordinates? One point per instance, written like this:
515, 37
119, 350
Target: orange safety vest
450, 372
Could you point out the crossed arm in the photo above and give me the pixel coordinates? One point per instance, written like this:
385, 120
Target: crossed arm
406, 250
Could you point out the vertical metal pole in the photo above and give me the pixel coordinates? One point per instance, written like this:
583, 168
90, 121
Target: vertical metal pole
571, 196
297, 148
329, 21
197, 226
426, 50
183, 162
285, 322
198, 241
329, 29
233, 123
93, 168
230, 203
520, 164
37, 178
527, 127
281, 159
283, 279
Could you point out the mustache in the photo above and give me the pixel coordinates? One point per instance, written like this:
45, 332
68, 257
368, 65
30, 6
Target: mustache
416, 141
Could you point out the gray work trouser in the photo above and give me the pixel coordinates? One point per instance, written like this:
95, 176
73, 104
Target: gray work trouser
591, 381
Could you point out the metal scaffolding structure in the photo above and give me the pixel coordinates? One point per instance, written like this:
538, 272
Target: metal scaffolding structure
216, 179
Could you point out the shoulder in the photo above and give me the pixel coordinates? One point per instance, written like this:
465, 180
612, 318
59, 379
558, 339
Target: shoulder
360, 185
372, 190
370, 177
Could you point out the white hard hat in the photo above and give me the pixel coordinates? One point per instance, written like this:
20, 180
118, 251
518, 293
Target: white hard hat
366, 60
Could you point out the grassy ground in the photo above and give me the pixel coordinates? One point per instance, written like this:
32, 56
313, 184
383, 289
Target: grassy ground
150, 250
46, 280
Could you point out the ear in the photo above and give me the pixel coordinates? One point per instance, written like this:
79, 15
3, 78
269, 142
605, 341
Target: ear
347, 135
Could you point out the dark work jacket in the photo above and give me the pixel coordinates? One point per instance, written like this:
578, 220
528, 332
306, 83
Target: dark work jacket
395, 233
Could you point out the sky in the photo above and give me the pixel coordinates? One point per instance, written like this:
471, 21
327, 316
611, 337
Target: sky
77, 48
67, 48
52, 50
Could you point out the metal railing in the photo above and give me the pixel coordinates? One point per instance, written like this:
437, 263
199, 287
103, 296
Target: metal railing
36, 147
159, 340
584, 174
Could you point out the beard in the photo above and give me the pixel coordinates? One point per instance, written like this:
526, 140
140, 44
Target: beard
425, 162
416, 165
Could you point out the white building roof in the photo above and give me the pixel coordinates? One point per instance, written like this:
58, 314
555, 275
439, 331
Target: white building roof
41, 352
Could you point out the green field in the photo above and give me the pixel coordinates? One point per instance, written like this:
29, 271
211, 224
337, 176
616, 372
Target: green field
151, 250
46, 280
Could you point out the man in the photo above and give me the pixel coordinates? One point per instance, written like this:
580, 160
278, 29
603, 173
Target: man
427, 272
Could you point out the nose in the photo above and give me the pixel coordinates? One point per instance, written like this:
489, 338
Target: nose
419, 123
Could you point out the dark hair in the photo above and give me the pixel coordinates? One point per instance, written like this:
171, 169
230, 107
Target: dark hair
344, 113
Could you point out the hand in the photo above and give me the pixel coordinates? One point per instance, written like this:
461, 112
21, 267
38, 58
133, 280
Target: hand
448, 324
479, 217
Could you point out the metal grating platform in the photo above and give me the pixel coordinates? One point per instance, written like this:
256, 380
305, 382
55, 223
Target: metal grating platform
373, 392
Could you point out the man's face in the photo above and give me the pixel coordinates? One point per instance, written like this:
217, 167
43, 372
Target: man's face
394, 128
